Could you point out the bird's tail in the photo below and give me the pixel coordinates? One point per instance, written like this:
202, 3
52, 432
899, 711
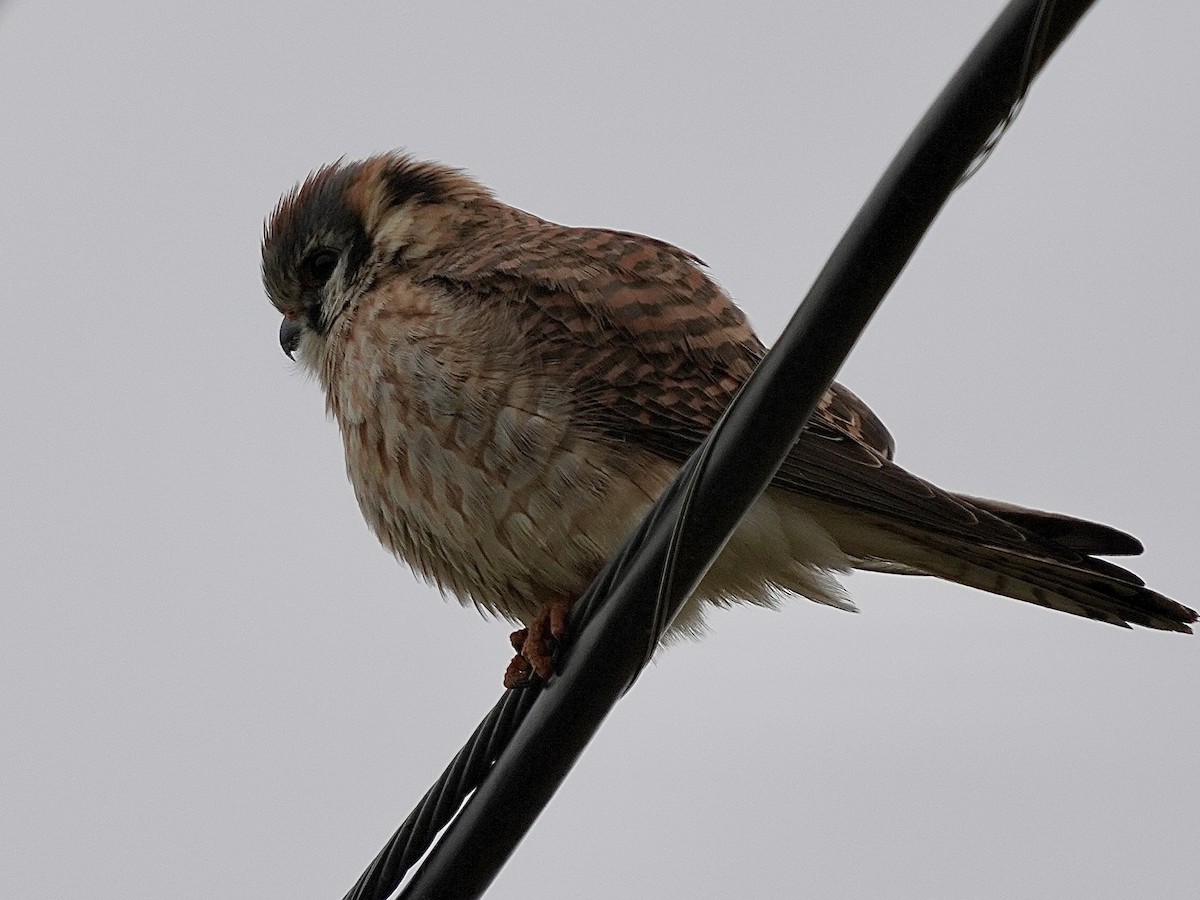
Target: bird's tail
1056, 567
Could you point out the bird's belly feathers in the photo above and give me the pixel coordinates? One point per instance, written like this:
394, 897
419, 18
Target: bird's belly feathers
486, 487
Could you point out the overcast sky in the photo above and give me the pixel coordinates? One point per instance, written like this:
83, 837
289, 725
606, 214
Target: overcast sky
216, 684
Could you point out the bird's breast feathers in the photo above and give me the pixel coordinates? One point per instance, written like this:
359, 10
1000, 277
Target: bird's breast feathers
466, 463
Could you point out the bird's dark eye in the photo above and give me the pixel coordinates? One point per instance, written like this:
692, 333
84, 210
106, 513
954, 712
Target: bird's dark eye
317, 267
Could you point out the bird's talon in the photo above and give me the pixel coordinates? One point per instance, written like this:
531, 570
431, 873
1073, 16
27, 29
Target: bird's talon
518, 638
535, 645
518, 672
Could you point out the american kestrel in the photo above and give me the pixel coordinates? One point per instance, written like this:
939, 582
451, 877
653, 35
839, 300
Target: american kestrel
513, 394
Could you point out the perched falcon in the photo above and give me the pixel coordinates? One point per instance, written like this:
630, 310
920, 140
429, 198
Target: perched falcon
513, 394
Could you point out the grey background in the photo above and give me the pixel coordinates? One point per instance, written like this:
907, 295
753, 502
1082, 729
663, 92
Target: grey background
214, 682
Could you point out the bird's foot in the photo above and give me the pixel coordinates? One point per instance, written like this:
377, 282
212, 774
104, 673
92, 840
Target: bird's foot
535, 645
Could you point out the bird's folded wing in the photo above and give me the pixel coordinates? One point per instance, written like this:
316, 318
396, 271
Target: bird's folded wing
654, 350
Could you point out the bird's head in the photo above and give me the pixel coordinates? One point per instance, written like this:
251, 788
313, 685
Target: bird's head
347, 226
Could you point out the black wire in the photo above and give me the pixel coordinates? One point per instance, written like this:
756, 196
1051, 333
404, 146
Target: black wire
528, 749
444, 799
1035, 55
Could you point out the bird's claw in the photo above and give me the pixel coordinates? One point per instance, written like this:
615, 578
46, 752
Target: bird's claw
536, 644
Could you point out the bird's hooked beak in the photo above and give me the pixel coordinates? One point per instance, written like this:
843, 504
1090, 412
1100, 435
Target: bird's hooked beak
289, 336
